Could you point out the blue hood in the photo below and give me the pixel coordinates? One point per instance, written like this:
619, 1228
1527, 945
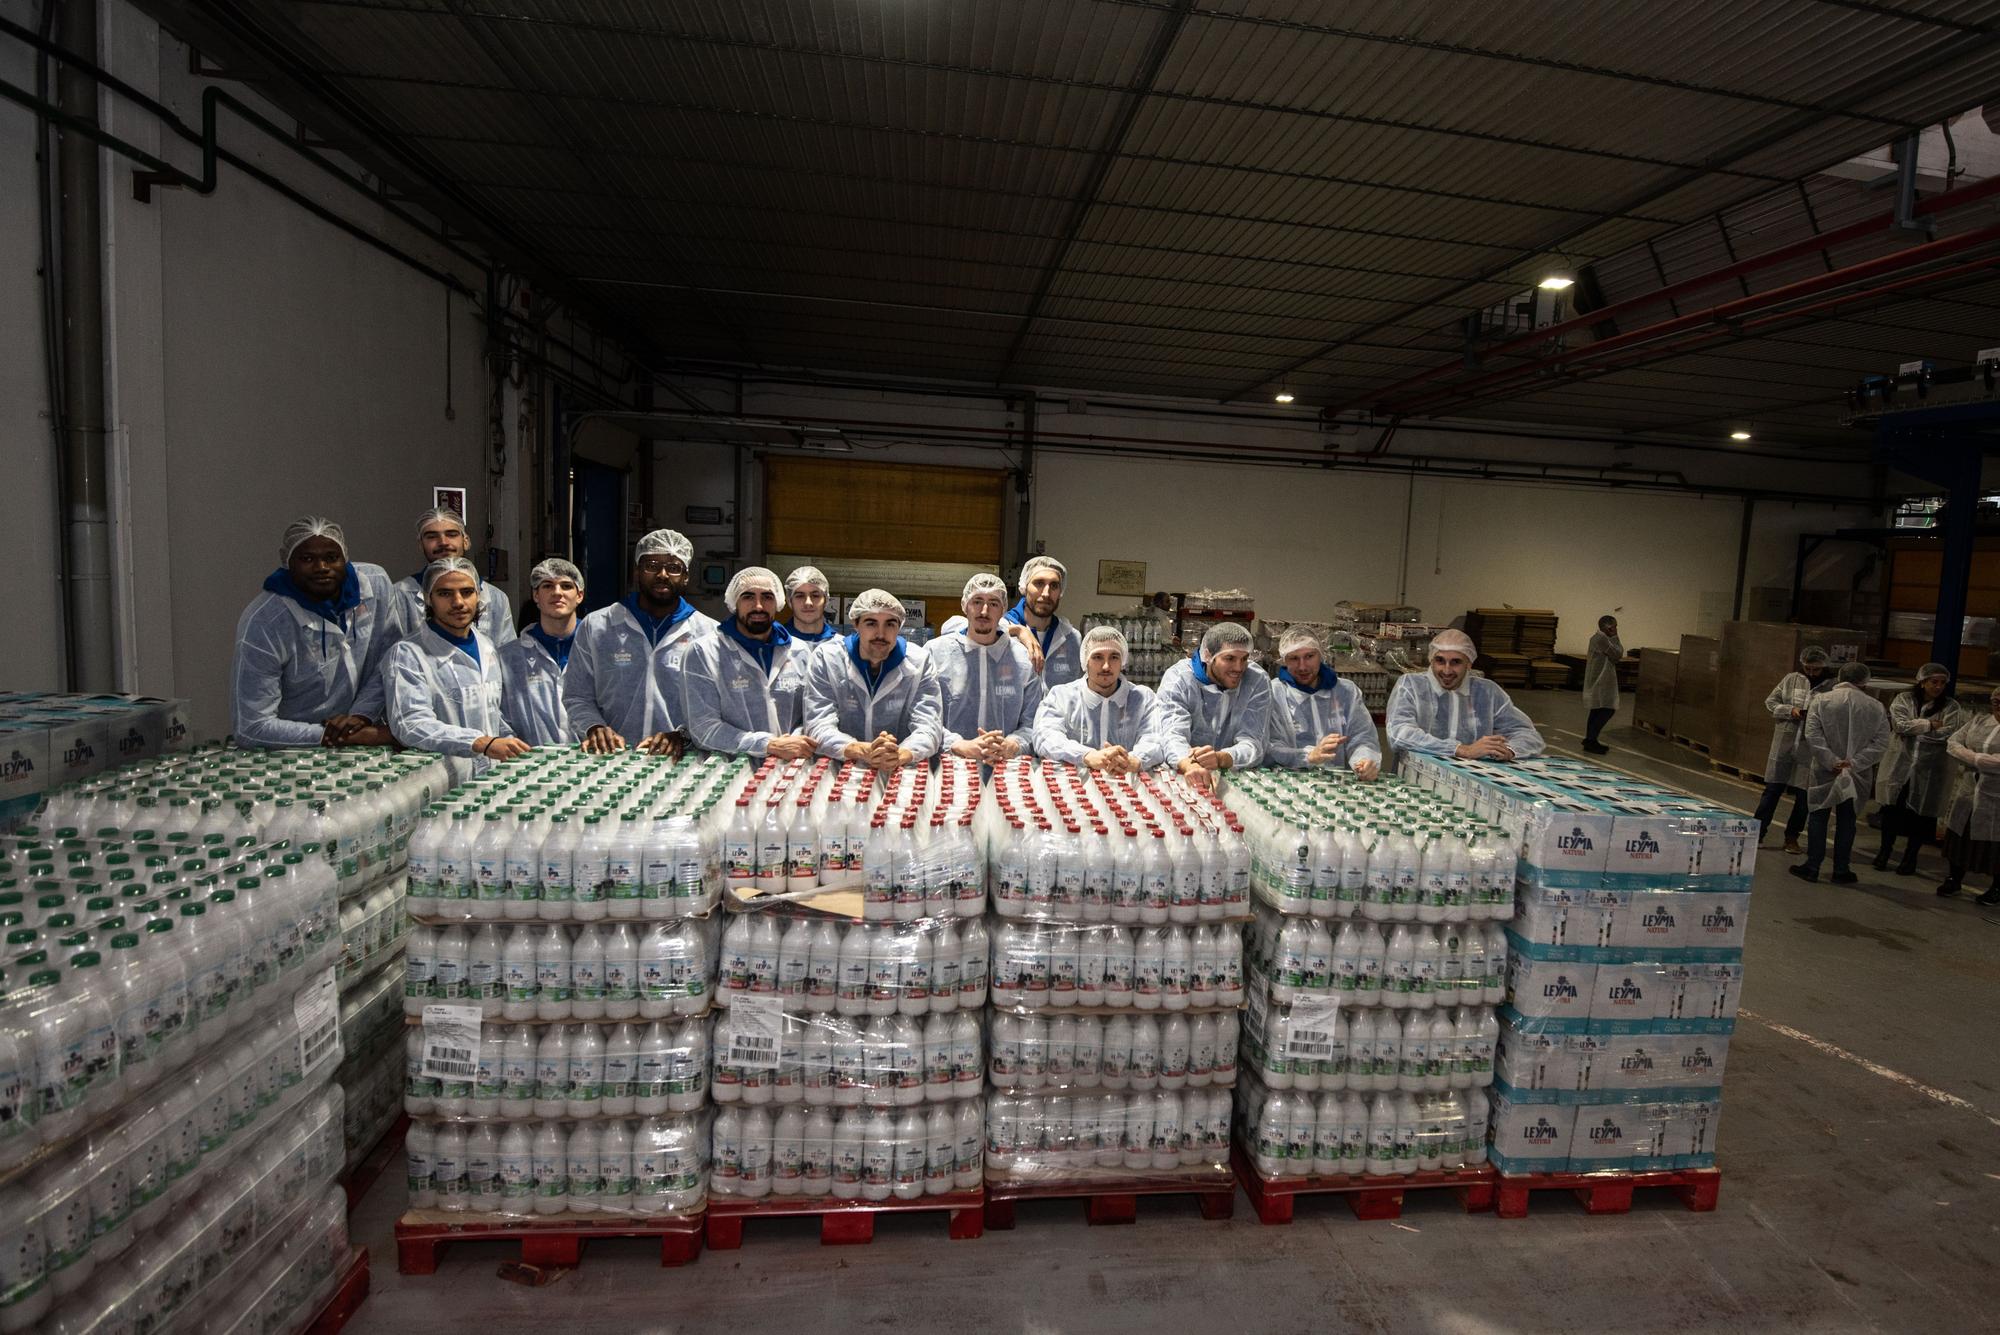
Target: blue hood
869, 673
558, 647
764, 651
654, 626
1018, 614
469, 645
334, 609
1327, 677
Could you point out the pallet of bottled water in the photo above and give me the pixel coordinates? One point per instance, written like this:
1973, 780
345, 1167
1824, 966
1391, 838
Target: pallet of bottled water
1625, 966
48, 740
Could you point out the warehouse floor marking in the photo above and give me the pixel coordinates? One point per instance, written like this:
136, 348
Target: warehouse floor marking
1874, 1068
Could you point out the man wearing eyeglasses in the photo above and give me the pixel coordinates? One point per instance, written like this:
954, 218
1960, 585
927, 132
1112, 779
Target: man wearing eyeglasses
621, 686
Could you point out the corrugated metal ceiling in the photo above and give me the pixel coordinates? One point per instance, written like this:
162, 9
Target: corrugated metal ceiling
1210, 199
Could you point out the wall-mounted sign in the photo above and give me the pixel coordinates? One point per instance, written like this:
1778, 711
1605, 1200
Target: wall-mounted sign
1126, 578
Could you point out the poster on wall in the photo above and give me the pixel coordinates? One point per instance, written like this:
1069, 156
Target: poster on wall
449, 498
1127, 578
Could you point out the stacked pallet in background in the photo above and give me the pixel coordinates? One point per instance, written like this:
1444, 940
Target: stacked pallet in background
1695, 678
1653, 706
1513, 641
48, 740
1755, 655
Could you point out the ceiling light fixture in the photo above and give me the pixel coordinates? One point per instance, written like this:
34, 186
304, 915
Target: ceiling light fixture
1557, 281
1739, 435
1284, 396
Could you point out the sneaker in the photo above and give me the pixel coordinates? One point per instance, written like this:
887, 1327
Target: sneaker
1843, 878
1907, 867
1804, 873
1948, 889
1882, 859
1989, 899
1597, 748
1792, 847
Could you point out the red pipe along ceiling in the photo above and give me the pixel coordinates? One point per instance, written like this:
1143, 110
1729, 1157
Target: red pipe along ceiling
1731, 313
1937, 204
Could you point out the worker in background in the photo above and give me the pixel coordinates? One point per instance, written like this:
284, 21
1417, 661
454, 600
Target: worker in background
532, 665
1600, 683
1972, 831
621, 687
1318, 719
1914, 782
443, 683
305, 671
988, 679
1789, 760
1213, 708
1847, 732
1102, 722
1052, 643
1448, 711
745, 684
806, 592
872, 696
441, 533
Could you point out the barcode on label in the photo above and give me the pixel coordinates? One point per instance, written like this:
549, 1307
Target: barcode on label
432, 1066
1310, 1043
438, 1054
757, 1042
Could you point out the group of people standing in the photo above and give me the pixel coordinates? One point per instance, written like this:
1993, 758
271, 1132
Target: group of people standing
1932, 767
333, 653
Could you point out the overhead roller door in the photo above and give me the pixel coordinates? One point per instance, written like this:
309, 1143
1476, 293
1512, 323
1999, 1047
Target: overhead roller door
883, 511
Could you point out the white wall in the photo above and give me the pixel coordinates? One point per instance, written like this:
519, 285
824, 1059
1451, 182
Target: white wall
31, 653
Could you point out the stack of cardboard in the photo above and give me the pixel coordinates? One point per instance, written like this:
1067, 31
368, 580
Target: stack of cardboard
1512, 640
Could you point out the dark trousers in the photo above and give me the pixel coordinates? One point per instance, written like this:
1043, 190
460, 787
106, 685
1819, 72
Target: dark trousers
1843, 837
1598, 718
1899, 822
1767, 810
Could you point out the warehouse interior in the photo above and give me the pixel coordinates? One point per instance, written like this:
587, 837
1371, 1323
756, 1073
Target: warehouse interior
1690, 319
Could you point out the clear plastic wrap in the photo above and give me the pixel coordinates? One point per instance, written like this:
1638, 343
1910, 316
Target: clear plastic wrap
1312, 1046
1088, 1053
1103, 968
622, 1166
1293, 1134
372, 927
1404, 966
284, 1293
814, 963
1101, 1140
765, 1054
512, 1072
557, 971
866, 1154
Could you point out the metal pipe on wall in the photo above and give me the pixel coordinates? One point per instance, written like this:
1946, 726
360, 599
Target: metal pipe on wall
83, 475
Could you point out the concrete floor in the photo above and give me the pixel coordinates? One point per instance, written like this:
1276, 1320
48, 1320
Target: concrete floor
1860, 1150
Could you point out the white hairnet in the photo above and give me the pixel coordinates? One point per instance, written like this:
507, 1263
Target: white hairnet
983, 583
1298, 637
429, 517
1813, 656
953, 625
555, 568
445, 565
748, 578
310, 526
803, 576
1933, 670
1856, 673
874, 600
1111, 635
664, 542
1223, 635
1041, 563
1453, 642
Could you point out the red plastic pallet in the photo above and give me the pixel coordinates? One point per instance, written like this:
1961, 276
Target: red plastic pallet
386, 1151
1112, 1202
554, 1240
1367, 1197
841, 1223
1609, 1193
346, 1297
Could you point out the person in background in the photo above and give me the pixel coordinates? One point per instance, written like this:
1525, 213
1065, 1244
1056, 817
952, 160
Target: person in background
991, 690
1600, 683
1449, 712
1213, 708
1317, 717
1789, 760
745, 684
1052, 643
1914, 782
305, 671
873, 697
1102, 722
444, 684
1847, 730
532, 664
441, 533
1972, 830
621, 687
806, 592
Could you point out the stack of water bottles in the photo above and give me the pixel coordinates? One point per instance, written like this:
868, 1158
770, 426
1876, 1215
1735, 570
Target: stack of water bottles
1117, 976
1626, 963
1375, 964
168, 1041
559, 976
49, 739
848, 1061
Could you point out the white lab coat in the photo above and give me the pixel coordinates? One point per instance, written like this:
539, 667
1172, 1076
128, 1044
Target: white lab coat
840, 709
1300, 718
1917, 761
1975, 802
1600, 672
1189, 712
1062, 658
442, 701
1424, 717
1790, 760
733, 705
618, 680
986, 686
1074, 720
293, 669
533, 699
1849, 724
